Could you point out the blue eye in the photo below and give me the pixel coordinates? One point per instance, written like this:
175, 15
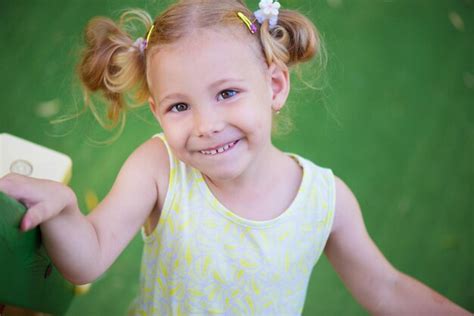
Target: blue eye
179, 107
226, 94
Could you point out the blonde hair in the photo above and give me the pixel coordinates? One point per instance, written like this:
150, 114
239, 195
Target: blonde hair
113, 65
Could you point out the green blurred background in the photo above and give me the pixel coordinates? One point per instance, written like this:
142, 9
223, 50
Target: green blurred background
394, 119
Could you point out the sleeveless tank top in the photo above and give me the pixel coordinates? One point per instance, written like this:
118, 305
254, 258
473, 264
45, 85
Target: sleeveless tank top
203, 259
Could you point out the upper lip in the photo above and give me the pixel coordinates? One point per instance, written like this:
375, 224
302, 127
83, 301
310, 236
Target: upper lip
219, 146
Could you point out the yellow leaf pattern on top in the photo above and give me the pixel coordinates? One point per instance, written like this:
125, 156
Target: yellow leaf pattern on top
202, 259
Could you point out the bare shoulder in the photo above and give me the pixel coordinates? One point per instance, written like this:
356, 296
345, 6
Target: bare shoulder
346, 207
152, 151
144, 171
152, 158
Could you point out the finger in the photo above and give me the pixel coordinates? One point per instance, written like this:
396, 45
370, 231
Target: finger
21, 188
33, 217
13, 185
6, 183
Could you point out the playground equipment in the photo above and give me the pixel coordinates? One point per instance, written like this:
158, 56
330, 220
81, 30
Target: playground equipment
28, 279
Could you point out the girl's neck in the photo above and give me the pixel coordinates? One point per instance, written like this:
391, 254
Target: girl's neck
264, 192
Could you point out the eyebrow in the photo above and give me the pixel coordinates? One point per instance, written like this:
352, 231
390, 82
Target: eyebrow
211, 86
171, 96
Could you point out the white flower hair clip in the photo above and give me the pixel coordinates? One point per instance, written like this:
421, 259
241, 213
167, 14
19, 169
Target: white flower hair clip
268, 11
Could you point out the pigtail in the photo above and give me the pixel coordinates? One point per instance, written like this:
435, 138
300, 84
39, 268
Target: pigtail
293, 40
114, 64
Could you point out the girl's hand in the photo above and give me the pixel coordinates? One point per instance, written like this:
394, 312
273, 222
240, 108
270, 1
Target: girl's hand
44, 199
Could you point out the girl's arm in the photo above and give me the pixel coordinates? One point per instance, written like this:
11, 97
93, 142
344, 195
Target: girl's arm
81, 247
371, 279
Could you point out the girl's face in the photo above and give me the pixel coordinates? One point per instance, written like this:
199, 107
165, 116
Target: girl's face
213, 96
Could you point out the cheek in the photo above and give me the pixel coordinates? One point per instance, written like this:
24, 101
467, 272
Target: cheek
261, 112
253, 119
175, 135
177, 144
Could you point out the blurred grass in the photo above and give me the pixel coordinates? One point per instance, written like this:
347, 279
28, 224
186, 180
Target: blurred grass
394, 120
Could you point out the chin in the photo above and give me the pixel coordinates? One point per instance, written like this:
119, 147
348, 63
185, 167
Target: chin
222, 172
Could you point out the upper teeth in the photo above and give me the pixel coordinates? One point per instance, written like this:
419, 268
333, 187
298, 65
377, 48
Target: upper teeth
218, 150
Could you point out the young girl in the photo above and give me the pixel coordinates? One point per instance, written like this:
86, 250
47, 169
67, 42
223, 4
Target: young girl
231, 224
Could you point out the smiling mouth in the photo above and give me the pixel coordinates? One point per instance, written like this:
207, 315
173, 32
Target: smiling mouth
219, 150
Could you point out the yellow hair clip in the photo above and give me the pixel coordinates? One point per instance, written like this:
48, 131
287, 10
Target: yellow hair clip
252, 28
148, 35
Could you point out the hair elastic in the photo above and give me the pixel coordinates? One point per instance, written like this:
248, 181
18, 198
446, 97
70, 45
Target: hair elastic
140, 43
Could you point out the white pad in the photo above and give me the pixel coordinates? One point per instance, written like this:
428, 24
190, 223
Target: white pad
27, 158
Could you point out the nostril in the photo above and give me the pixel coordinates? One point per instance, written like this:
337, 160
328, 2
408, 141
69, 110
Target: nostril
209, 126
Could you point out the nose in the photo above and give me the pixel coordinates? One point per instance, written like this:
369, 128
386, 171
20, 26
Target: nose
208, 122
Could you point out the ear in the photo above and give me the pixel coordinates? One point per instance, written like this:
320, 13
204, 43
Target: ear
154, 108
280, 84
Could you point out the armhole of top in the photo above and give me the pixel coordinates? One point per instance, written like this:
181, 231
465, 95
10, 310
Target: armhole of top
331, 198
329, 180
169, 194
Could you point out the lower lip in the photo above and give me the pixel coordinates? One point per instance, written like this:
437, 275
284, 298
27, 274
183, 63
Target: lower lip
226, 151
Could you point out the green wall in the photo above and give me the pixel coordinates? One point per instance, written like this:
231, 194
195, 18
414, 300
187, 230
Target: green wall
394, 119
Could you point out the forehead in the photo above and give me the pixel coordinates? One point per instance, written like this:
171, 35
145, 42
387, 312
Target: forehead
205, 55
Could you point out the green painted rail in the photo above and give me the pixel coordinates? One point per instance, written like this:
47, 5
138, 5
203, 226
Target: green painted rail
27, 277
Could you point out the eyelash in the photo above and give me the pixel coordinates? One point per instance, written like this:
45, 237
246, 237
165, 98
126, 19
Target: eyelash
173, 108
235, 92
